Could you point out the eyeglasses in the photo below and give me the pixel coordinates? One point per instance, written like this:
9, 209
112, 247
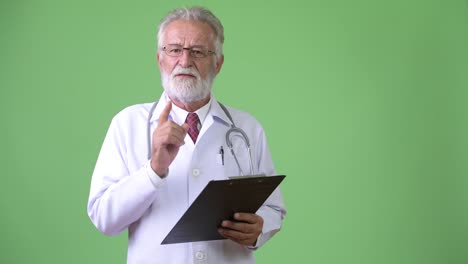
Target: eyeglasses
195, 52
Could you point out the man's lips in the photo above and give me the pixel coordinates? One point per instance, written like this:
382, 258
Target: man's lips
185, 75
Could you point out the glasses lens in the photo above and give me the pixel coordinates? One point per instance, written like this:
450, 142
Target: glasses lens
173, 50
198, 52
177, 50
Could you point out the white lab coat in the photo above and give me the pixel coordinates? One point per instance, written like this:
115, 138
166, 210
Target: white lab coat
125, 193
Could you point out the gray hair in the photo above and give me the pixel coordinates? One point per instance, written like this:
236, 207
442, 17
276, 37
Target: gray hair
195, 13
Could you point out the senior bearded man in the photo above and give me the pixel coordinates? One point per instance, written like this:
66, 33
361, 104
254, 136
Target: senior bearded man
147, 189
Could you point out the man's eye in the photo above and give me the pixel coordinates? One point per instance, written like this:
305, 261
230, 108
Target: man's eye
197, 52
175, 50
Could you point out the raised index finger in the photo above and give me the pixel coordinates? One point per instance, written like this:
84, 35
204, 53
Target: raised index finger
165, 113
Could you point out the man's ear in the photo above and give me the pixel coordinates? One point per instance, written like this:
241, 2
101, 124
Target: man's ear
219, 63
158, 59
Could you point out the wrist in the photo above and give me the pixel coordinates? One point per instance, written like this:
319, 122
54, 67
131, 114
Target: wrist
161, 172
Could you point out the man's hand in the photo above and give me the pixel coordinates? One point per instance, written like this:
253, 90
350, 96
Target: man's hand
167, 139
245, 230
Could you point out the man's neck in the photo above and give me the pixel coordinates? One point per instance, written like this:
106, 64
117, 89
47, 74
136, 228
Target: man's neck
192, 106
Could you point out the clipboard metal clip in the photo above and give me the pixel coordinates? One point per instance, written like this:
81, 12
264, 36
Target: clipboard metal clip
246, 176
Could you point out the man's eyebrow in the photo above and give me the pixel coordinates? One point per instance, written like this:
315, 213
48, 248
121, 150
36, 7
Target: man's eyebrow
176, 44
198, 46
192, 46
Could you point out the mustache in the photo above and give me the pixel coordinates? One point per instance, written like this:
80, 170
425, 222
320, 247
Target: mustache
179, 70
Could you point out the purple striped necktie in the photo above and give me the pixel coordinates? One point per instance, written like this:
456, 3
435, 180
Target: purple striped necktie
193, 120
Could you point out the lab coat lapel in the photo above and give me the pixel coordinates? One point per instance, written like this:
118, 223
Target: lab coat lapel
215, 115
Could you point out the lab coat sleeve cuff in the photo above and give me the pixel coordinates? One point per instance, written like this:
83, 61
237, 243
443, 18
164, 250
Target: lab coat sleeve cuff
155, 179
272, 218
257, 243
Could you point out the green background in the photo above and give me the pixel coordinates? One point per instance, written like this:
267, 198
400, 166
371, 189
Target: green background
365, 106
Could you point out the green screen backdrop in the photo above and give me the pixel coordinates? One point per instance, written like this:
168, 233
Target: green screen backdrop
364, 102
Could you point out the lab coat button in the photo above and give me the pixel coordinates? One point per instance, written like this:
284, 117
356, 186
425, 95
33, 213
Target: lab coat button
200, 255
195, 172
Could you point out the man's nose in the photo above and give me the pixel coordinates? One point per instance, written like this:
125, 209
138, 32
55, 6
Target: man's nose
185, 60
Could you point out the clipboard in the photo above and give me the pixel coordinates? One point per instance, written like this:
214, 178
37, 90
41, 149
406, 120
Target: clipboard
218, 201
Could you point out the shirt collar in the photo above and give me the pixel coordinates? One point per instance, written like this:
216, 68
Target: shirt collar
178, 115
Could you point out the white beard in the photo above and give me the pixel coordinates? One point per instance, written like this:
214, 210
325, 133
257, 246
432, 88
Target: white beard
186, 90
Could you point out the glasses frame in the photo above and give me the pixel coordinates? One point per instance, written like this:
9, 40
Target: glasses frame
190, 51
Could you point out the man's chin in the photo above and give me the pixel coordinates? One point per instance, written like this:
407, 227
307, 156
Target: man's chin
184, 83
186, 99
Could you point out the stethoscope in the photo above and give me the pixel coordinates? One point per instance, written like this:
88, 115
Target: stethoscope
232, 132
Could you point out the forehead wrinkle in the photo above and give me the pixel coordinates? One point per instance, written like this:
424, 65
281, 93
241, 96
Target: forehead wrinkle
185, 42
189, 33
